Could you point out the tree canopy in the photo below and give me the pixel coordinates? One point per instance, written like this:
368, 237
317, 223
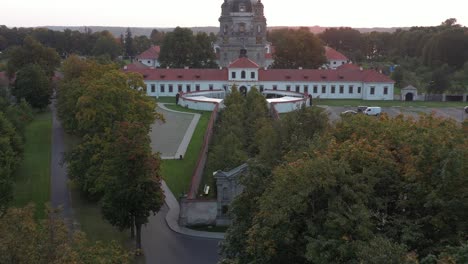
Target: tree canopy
367, 191
296, 48
33, 85
181, 48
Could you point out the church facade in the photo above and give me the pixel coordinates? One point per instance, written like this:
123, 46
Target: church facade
242, 26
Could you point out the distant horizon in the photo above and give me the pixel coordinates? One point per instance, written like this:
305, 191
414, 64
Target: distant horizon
170, 14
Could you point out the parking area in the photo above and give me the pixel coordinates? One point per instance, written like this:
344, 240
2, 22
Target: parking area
455, 113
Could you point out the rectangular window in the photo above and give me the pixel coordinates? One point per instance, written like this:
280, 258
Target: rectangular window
306, 88
262, 88
372, 90
351, 88
359, 89
179, 88
211, 87
275, 87
161, 87
385, 90
233, 75
298, 88
197, 87
171, 89
153, 88
252, 75
333, 89
315, 89
324, 89
341, 89
288, 88
188, 88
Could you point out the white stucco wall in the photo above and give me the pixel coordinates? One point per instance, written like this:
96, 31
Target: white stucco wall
150, 62
247, 75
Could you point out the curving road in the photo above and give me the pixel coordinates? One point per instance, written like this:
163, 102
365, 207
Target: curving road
160, 244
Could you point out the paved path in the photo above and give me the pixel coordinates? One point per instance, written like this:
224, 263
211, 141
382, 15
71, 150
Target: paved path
164, 241
59, 193
172, 137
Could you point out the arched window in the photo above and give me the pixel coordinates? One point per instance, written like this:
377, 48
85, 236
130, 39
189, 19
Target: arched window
243, 75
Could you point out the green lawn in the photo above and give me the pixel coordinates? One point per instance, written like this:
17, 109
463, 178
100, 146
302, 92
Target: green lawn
355, 102
167, 99
32, 179
178, 173
89, 216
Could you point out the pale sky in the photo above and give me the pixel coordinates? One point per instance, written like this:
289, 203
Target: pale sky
190, 13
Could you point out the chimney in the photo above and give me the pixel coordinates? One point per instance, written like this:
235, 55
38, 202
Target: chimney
125, 67
186, 68
300, 68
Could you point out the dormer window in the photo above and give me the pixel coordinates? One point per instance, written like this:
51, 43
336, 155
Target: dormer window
179, 76
306, 77
197, 76
163, 76
288, 77
324, 77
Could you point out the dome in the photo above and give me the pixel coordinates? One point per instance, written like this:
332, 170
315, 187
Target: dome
236, 6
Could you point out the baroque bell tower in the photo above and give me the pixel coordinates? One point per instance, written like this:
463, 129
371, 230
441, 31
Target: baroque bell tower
242, 26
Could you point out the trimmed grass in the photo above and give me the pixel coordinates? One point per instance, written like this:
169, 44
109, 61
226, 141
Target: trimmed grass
32, 179
88, 214
351, 102
166, 99
178, 173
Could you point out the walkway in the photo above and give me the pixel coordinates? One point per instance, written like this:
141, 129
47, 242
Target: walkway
164, 241
59, 193
171, 138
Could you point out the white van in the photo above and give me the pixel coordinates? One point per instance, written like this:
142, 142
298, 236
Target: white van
373, 110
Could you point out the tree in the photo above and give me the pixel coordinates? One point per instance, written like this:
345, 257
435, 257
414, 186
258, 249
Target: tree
177, 48
129, 45
25, 240
33, 85
33, 52
106, 45
368, 191
157, 37
132, 179
343, 39
141, 43
297, 48
203, 54
10, 155
114, 97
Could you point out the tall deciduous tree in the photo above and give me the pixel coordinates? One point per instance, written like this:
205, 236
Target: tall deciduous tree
297, 48
25, 240
132, 178
33, 85
33, 52
107, 45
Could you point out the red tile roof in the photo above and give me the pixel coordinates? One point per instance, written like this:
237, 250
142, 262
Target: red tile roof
183, 74
348, 66
243, 63
135, 66
305, 75
150, 54
269, 75
332, 54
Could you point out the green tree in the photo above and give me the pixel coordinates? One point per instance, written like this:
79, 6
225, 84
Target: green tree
10, 155
24, 240
157, 37
297, 48
33, 52
112, 98
132, 179
177, 48
106, 45
33, 85
129, 45
203, 54
141, 43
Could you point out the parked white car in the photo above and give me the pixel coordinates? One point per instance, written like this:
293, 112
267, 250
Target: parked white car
373, 111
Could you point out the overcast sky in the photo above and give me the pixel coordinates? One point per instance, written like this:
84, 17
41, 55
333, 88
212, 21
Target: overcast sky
189, 13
